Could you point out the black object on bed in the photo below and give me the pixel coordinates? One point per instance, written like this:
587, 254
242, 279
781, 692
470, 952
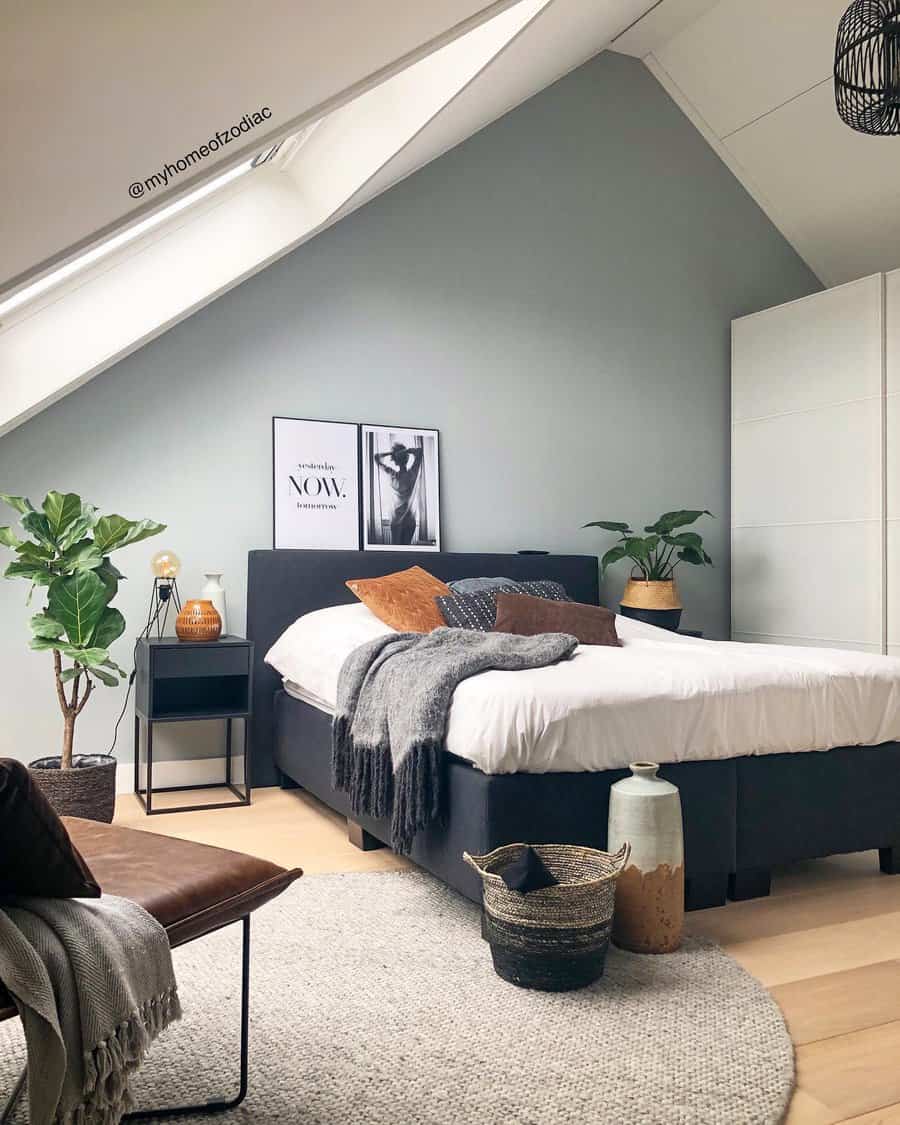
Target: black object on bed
742, 816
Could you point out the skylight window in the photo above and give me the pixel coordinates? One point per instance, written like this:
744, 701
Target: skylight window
102, 249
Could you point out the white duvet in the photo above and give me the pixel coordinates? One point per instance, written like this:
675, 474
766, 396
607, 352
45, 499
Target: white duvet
659, 697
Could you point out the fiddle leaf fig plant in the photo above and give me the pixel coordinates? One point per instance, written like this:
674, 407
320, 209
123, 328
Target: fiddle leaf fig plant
657, 553
66, 549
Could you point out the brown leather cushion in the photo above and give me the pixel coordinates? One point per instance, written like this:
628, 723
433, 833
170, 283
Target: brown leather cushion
527, 617
36, 855
404, 600
189, 888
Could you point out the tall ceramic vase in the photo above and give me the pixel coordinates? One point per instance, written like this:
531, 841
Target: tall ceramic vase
645, 811
213, 591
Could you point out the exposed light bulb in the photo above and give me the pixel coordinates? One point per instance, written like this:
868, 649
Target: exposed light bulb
165, 564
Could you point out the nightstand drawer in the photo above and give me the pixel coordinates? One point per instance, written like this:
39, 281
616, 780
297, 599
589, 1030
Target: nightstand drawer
192, 661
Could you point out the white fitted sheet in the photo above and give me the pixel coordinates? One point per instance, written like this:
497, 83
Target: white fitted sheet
660, 697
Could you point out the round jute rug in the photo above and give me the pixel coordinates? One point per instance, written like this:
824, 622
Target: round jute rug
374, 1002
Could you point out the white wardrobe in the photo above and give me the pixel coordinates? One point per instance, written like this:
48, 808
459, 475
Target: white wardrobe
815, 500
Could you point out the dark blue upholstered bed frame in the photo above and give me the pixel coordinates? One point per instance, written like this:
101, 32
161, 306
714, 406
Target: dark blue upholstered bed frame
742, 816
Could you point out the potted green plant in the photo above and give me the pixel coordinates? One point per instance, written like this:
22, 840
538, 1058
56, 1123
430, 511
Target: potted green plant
653, 596
66, 551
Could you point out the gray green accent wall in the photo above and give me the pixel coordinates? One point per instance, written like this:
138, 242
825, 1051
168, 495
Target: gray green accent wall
554, 295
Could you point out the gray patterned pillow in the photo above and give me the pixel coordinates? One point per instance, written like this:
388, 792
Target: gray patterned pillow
477, 585
479, 610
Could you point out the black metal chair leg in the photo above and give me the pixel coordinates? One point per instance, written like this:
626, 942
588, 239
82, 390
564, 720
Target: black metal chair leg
217, 1106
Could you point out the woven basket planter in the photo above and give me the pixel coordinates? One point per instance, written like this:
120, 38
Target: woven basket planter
87, 790
553, 939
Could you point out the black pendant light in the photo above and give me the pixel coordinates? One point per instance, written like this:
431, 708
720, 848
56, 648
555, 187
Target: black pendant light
867, 67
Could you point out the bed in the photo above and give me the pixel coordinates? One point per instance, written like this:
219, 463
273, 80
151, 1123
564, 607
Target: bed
742, 814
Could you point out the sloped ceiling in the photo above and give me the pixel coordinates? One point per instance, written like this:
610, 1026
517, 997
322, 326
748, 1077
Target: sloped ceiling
58, 341
755, 78
101, 94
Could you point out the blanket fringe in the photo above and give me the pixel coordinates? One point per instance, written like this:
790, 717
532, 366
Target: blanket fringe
411, 797
108, 1067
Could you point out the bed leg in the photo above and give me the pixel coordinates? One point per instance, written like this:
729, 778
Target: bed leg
752, 882
360, 838
707, 889
889, 860
286, 782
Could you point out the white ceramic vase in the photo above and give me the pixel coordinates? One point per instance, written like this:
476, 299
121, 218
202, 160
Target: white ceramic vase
214, 591
645, 811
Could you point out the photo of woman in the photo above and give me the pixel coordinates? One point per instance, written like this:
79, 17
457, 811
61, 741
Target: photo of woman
401, 489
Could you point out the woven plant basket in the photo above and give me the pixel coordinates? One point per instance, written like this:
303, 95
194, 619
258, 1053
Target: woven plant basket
87, 790
555, 938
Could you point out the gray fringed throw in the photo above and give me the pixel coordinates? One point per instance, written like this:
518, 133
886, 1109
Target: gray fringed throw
93, 982
393, 698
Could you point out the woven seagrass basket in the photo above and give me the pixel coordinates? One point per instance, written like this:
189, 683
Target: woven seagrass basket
555, 938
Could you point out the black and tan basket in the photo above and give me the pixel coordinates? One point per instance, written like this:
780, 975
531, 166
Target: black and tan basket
553, 939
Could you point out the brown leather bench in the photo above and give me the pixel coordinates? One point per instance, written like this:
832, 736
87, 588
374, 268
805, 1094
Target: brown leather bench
191, 889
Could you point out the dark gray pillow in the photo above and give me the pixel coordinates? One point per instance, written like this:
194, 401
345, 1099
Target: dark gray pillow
476, 585
479, 611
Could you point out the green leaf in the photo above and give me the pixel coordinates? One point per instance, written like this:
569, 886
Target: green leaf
8, 537
637, 549
43, 625
684, 539
41, 644
78, 601
35, 572
113, 532
670, 520
39, 526
68, 674
75, 531
29, 551
609, 525
692, 555
110, 576
90, 657
613, 555
104, 677
83, 555
109, 628
61, 510
20, 503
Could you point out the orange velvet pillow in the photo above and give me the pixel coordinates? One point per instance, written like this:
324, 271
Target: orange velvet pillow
404, 600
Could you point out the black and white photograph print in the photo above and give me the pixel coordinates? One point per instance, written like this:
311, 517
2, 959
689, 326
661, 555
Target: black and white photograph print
315, 484
401, 489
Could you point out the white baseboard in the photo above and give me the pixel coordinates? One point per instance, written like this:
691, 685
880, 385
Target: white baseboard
181, 771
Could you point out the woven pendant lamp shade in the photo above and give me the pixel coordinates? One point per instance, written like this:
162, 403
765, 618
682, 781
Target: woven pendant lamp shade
867, 67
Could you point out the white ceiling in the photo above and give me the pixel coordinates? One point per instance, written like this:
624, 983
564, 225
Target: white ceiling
755, 78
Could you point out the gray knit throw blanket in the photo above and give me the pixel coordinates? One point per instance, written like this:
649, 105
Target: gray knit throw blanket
393, 699
93, 982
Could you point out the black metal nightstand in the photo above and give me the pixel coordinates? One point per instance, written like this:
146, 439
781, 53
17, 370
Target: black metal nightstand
181, 681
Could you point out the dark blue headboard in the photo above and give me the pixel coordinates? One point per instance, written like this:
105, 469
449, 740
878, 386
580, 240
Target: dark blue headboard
282, 585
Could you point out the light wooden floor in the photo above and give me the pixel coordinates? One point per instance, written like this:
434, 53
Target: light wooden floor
827, 944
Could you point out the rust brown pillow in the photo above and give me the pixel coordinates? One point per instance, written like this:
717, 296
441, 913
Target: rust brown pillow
404, 600
36, 855
527, 617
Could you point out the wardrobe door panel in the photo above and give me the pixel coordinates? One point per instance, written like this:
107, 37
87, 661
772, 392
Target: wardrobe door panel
819, 466
813, 352
808, 532
892, 458
808, 584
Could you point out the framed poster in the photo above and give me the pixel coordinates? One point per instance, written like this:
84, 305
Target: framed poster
401, 489
315, 484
